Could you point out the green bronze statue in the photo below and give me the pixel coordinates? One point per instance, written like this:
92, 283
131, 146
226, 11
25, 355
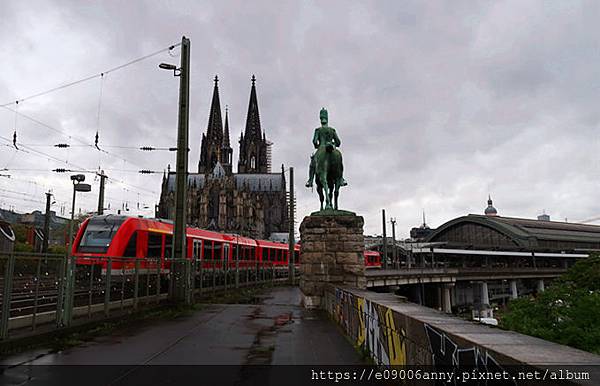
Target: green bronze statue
326, 164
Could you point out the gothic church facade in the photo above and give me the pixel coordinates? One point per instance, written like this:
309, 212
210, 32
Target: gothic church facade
251, 202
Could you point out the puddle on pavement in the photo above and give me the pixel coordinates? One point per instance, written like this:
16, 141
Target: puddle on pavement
261, 351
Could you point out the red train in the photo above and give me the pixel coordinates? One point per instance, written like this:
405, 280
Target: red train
121, 237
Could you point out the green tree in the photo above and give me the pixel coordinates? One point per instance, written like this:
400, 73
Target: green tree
567, 312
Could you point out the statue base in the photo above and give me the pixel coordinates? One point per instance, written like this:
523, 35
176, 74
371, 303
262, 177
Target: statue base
331, 252
333, 212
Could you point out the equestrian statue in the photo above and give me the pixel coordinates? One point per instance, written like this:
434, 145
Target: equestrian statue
326, 164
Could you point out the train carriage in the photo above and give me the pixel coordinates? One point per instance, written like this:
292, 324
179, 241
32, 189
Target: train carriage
121, 240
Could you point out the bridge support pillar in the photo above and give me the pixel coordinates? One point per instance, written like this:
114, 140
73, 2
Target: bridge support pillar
513, 289
485, 295
331, 252
447, 302
540, 285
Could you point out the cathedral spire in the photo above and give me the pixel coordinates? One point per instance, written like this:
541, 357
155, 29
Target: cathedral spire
210, 147
253, 117
215, 121
226, 133
226, 150
253, 157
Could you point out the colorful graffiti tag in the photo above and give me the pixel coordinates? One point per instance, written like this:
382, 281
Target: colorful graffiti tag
373, 328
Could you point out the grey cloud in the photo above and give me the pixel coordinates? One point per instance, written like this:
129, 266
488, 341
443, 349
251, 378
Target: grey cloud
437, 105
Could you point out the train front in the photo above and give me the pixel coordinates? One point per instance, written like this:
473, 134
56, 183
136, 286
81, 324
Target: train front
99, 239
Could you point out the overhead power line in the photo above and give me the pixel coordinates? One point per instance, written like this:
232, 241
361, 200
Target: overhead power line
90, 77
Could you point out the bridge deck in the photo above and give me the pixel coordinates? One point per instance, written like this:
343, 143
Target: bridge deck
276, 331
384, 277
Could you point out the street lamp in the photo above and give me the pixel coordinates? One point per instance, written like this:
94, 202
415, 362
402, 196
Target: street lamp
78, 186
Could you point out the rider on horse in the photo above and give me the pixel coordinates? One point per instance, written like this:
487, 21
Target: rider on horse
325, 139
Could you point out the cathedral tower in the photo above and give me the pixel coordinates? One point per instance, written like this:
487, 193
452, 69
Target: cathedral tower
253, 143
214, 147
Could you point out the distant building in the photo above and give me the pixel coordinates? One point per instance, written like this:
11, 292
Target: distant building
544, 217
251, 202
422, 232
34, 225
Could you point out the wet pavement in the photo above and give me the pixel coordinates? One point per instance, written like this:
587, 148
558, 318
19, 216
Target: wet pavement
277, 331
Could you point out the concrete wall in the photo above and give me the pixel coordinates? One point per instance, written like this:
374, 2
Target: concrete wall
402, 333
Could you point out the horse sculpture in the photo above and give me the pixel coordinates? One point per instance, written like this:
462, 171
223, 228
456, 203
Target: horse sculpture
327, 164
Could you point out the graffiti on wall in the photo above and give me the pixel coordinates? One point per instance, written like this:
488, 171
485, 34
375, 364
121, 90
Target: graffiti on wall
447, 353
373, 327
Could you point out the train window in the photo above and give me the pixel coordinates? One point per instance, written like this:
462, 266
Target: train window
207, 250
265, 254
296, 257
197, 249
131, 246
226, 251
154, 244
217, 250
168, 246
99, 233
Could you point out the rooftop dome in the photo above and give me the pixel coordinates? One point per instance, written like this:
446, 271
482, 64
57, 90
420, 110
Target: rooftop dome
490, 210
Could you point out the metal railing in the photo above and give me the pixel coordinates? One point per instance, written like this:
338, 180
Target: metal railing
53, 290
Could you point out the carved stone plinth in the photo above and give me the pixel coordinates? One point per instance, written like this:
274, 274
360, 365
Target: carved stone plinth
331, 252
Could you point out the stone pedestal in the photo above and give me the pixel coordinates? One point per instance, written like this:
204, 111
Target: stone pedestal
331, 252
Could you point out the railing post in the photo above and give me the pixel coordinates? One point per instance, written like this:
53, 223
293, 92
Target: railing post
201, 276
91, 292
60, 298
237, 273
147, 300
37, 292
214, 279
6, 295
70, 296
136, 284
122, 283
193, 274
273, 274
107, 287
188, 282
225, 272
158, 280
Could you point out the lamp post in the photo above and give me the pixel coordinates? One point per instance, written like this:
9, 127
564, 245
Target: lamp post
394, 249
78, 186
179, 250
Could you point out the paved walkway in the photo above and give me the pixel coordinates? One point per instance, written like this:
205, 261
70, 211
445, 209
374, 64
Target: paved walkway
278, 331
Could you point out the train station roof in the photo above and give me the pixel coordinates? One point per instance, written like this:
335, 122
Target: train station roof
497, 232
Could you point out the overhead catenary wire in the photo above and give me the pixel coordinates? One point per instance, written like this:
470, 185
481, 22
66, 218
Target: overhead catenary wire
35, 149
90, 77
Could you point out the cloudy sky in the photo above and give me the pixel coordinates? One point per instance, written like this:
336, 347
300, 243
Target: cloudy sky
437, 104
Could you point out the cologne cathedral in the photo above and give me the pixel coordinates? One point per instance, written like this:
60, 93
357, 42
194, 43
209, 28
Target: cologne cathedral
251, 202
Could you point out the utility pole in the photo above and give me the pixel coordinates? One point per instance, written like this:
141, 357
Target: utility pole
179, 247
47, 223
291, 241
385, 262
101, 196
394, 249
